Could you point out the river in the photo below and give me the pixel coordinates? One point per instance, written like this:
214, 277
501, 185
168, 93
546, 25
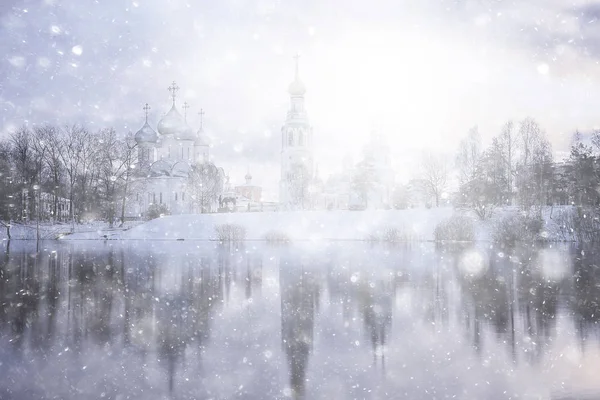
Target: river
345, 320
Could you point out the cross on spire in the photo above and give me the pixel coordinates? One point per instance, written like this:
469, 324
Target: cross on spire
173, 89
201, 114
146, 109
185, 107
297, 58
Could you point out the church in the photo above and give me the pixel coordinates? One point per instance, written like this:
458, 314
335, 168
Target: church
175, 173
367, 184
165, 163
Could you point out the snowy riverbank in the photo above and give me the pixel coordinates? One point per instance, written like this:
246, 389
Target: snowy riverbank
413, 225
307, 225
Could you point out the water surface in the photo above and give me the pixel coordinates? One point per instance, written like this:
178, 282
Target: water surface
191, 320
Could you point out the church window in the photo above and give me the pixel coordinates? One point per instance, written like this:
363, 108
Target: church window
182, 153
169, 151
300, 139
149, 197
188, 153
291, 138
182, 196
154, 197
175, 196
160, 197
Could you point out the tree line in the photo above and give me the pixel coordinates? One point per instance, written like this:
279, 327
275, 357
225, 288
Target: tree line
64, 174
517, 169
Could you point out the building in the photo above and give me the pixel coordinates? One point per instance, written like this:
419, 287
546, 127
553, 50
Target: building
165, 160
248, 190
296, 151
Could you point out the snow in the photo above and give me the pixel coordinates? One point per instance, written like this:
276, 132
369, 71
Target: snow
418, 224
89, 230
412, 224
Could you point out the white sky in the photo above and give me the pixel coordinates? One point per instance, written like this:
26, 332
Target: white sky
422, 71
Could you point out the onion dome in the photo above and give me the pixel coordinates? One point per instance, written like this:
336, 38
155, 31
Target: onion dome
172, 123
248, 177
297, 88
146, 134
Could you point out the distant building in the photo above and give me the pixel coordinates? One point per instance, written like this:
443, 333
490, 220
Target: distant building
297, 169
248, 190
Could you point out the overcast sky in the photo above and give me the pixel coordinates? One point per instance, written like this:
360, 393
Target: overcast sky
421, 71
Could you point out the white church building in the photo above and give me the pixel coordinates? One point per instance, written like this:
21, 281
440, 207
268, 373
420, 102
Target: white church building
166, 156
164, 161
300, 186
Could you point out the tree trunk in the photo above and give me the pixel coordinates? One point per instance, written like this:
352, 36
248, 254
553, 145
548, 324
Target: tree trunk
124, 198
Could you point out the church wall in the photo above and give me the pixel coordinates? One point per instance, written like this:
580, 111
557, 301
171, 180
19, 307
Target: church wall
171, 191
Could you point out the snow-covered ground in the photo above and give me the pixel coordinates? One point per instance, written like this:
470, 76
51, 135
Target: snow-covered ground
412, 224
47, 231
416, 224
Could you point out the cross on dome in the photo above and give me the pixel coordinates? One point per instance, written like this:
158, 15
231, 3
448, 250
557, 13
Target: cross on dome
173, 89
185, 108
201, 114
297, 88
146, 109
297, 58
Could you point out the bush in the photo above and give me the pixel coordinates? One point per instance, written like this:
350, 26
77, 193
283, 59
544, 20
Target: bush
157, 211
230, 232
518, 228
390, 234
457, 228
276, 237
581, 224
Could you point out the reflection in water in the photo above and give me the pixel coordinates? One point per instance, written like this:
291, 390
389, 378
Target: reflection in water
131, 320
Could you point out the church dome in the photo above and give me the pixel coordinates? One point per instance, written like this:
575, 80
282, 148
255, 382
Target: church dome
146, 134
201, 138
172, 123
297, 88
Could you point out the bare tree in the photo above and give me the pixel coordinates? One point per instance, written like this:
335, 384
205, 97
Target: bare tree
434, 171
533, 165
508, 141
596, 140
469, 152
205, 183
8, 189
487, 189
71, 150
113, 160
23, 159
129, 155
364, 180
50, 137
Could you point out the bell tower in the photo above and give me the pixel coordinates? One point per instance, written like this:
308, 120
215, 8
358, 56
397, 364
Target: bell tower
296, 149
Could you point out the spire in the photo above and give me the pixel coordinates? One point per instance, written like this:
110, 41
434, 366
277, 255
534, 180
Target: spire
185, 108
201, 114
146, 109
297, 58
248, 176
297, 88
173, 89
